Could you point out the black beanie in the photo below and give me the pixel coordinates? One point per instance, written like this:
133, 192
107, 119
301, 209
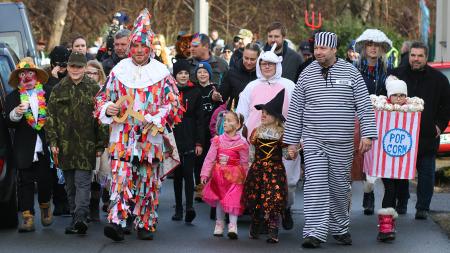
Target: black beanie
59, 54
179, 66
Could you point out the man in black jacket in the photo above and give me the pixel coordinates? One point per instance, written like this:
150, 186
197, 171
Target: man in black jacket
433, 87
120, 50
276, 33
237, 78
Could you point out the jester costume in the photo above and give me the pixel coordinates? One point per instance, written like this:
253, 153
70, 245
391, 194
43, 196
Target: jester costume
137, 153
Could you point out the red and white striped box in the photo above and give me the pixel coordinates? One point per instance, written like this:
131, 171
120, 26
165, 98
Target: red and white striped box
394, 153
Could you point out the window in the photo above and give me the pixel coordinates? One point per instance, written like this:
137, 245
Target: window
5, 70
14, 40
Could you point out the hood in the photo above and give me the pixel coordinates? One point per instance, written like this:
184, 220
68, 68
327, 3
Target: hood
269, 56
374, 35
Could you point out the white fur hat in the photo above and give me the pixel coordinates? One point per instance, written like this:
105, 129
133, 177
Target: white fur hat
374, 35
396, 86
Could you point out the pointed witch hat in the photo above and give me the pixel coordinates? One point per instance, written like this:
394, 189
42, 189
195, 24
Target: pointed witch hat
142, 31
275, 106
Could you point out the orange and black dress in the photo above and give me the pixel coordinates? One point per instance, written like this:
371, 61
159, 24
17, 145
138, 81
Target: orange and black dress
265, 190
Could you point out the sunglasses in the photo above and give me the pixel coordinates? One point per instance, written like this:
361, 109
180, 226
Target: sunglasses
61, 64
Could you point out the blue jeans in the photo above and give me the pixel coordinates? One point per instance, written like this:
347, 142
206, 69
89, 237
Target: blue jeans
426, 166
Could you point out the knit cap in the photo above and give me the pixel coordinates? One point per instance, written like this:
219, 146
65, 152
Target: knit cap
204, 65
396, 86
179, 66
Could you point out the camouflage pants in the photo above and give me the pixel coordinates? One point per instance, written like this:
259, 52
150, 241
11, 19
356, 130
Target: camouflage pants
138, 186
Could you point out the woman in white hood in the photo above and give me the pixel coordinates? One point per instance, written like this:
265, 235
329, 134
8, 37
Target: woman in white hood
264, 89
260, 91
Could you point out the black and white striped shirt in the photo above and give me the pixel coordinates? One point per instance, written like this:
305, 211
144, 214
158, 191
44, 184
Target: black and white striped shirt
325, 109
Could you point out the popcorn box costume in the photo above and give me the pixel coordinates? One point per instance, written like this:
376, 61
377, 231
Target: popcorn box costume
394, 153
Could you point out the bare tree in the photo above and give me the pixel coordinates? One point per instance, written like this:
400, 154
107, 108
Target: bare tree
59, 20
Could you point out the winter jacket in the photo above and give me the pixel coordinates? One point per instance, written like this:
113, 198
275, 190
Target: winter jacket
291, 62
71, 125
208, 106
434, 88
236, 57
190, 131
376, 79
110, 62
234, 83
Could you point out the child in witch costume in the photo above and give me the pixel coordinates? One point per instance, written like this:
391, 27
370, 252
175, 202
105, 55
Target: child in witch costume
224, 172
26, 109
266, 190
189, 137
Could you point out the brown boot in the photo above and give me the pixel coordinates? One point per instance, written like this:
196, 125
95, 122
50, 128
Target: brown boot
46, 214
27, 224
198, 195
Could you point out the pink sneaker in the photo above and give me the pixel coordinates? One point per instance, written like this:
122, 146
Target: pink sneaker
232, 231
218, 229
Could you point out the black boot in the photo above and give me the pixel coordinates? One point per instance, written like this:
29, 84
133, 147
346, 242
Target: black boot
178, 214
369, 203
402, 206
129, 225
273, 235
345, 239
255, 227
286, 219
81, 225
212, 213
71, 228
311, 242
94, 212
114, 232
144, 234
190, 215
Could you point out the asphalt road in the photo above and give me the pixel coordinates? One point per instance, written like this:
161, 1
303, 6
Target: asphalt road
412, 236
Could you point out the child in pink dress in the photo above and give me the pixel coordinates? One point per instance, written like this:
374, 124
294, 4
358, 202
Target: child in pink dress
224, 172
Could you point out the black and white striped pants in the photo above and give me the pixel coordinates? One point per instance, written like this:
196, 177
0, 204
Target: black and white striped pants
327, 187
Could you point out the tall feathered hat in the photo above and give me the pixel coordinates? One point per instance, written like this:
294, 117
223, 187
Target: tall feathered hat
142, 31
374, 35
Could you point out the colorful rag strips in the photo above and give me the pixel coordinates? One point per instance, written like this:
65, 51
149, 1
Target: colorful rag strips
139, 185
142, 31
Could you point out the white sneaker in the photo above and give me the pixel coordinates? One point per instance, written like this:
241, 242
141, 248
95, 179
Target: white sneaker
218, 229
232, 231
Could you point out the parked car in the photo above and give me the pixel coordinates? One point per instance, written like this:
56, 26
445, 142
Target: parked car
15, 30
8, 196
444, 146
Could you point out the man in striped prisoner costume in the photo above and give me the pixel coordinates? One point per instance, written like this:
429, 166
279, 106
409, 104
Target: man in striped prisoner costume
322, 112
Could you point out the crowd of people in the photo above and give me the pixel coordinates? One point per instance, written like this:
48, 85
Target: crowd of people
236, 126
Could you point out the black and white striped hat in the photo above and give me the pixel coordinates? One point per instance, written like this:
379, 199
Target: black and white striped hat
327, 39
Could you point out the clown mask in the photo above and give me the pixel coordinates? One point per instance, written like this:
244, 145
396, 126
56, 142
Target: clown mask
27, 79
